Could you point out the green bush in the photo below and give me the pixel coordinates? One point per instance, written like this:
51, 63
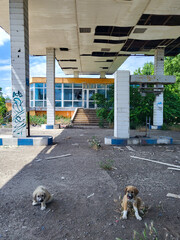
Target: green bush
3, 110
171, 106
105, 110
38, 120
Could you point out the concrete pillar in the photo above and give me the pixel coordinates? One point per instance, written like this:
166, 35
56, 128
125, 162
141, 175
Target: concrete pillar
121, 104
50, 85
102, 74
76, 74
18, 10
158, 102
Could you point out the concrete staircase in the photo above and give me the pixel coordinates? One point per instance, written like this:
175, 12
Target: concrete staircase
86, 117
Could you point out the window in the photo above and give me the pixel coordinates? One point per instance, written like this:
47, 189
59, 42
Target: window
77, 85
57, 103
58, 94
38, 94
38, 103
78, 104
101, 86
77, 94
67, 103
67, 85
31, 94
101, 91
67, 94
38, 85
58, 85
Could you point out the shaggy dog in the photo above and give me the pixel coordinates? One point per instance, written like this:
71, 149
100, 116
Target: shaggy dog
41, 196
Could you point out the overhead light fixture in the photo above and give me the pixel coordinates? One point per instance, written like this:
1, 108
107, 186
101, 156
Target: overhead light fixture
139, 30
84, 30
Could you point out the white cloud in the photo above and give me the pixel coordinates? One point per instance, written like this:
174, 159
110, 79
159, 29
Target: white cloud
4, 37
8, 92
134, 62
38, 69
5, 68
5, 61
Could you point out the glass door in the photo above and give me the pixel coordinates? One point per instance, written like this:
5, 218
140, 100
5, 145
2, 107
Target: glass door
88, 98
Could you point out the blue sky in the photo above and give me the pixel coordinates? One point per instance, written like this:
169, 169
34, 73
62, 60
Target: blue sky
38, 64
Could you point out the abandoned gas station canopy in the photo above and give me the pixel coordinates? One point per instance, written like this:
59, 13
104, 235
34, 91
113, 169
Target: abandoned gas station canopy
90, 36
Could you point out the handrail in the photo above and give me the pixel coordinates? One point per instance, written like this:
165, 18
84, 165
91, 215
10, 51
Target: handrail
74, 114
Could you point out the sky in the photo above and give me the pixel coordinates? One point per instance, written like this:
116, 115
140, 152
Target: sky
38, 64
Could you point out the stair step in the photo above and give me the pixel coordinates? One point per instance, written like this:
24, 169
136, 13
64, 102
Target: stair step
86, 117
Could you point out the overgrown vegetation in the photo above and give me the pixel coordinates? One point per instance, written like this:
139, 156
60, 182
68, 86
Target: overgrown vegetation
105, 110
95, 143
3, 109
149, 233
142, 107
63, 120
106, 164
38, 120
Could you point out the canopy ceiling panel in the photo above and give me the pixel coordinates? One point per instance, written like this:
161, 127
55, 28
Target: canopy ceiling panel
91, 36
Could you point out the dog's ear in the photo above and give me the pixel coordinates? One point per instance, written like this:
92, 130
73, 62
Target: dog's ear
136, 191
35, 197
125, 190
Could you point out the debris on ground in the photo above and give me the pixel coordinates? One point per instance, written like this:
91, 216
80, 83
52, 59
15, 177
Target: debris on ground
173, 195
61, 156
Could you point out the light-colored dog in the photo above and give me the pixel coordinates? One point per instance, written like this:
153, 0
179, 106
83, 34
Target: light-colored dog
41, 196
130, 200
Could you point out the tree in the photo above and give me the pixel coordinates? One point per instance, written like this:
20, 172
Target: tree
0, 91
171, 91
3, 108
140, 107
148, 69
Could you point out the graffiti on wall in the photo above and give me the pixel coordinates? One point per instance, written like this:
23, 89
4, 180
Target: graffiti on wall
19, 116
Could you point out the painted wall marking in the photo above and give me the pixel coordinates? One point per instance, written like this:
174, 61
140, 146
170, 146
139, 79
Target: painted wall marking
19, 118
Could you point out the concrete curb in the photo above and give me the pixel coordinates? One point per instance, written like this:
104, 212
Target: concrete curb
155, 127
7, 140
46, 126
138, 141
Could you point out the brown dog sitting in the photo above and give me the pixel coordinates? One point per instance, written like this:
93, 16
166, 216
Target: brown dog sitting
130, 200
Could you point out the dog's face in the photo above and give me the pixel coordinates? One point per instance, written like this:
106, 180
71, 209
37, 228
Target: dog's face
131, 192
40, 196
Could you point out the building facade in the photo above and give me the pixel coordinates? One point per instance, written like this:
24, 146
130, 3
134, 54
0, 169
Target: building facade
70, 93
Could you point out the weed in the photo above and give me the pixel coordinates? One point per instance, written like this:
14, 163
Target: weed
62, 120
149, 233
165, 127
107, 164
94, 143
38, 120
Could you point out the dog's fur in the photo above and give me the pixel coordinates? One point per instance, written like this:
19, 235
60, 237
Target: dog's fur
130, 200
41, 196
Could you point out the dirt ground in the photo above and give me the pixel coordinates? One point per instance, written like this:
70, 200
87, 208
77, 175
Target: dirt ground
84, 205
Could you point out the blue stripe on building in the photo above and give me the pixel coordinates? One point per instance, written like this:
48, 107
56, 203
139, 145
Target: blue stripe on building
1, 142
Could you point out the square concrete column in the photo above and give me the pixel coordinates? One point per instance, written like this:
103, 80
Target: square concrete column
18, 10
158, 102
50, 85
121, 104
